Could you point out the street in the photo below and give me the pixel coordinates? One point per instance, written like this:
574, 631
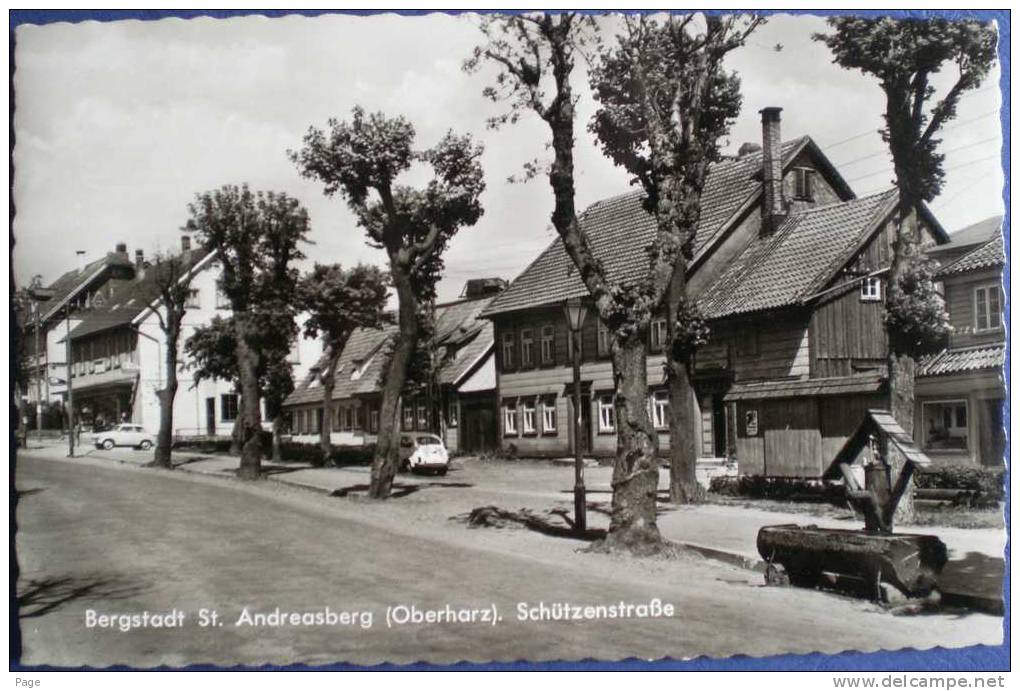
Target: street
122, 540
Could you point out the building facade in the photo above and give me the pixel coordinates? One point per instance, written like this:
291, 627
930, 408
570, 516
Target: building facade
459, 404
788, 267
118, 358
959, 392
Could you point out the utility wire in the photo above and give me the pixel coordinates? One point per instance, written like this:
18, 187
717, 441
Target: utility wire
886, 152
944, 129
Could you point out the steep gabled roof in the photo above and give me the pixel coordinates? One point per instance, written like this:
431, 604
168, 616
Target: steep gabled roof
787, 266
987, 256
459, 330
129, 300
72, 282
619, 230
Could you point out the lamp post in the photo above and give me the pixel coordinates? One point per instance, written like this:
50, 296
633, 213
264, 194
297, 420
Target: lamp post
574, 310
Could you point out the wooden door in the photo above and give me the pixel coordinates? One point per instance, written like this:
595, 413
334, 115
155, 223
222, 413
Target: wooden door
793, 441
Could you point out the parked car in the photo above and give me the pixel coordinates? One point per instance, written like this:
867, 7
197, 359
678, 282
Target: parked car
126, 434
421, 453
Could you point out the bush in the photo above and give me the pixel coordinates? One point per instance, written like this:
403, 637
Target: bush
312, 453
780, 489
988, 481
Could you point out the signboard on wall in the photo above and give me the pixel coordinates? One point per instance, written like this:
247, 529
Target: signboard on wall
751, 423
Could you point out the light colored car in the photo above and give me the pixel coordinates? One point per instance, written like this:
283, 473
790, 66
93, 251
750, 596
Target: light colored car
126, 434
421, 452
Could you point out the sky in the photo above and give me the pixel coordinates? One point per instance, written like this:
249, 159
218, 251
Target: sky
119, 124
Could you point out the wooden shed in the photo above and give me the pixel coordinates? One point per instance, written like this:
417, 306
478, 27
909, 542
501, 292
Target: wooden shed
795, 428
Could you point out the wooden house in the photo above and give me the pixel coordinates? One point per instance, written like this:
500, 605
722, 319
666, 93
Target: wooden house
460, 407
788, 266
959, 391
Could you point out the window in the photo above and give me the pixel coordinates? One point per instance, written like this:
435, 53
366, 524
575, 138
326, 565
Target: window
803, 179
660, 409
747, 342
548, 345
871, 289
945, 425
408, 417
344, 419
373, 420
987, 308
423, 418
508, 350
452, 412
528, 416
607, 414
510, 419
222, 301
603, 339
228, 407
659, 335
193, 299
549, 415
527, 348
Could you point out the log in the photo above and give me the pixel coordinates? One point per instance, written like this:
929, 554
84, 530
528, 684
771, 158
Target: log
911, 562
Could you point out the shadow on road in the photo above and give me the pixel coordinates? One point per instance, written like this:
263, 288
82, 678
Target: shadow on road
400, 489
29, 492
37, 597
555, 523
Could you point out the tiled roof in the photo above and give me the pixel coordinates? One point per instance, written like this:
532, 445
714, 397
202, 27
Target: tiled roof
127, 302
794, 388
954, 361
988, 255
68, 285
360, 368
619, 230
786, 266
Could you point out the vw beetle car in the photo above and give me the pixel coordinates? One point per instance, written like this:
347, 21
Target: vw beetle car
126, 434
423, 453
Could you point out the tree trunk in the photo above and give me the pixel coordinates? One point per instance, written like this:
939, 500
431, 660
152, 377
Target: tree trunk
326, 428
901, 404
250, 424
277, 425
632, 525
387, 461
901, 366
683, 449
164, 438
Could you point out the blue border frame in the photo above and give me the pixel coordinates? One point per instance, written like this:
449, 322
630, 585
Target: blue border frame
975, 658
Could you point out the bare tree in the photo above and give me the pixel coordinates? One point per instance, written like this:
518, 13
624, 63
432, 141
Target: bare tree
362, 160
664, 103
337, 302
905, 56
535, 55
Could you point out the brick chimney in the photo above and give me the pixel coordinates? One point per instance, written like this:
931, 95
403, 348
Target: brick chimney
185, 243
774, 207
120, 248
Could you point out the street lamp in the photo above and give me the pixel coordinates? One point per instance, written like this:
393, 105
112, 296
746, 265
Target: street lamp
574, 310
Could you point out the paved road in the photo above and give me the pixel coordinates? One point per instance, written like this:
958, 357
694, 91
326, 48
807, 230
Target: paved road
128, 541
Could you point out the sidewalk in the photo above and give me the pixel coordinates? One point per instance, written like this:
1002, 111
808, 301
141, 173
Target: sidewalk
973, 577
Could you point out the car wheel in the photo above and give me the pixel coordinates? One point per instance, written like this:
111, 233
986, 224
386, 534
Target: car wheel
441, 471
405, 465
145, 445
107, 444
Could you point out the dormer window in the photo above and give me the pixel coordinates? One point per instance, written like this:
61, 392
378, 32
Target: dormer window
871, 289
803, 184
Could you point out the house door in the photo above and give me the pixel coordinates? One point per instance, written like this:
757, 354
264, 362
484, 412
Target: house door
719, 426
210, 417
